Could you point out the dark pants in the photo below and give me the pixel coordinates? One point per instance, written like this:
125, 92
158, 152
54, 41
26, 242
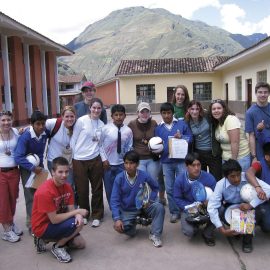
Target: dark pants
85, 171
28, 196
213, 163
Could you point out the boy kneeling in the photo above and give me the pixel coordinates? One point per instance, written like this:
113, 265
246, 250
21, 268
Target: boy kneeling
54, 218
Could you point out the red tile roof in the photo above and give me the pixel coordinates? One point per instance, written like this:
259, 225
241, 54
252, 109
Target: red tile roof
71, 78
170, 65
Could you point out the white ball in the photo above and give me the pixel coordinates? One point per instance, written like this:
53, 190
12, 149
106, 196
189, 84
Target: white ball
34, 159
248, 193
209, 193
155, 145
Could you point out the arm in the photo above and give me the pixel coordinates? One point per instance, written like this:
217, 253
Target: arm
251, 177
234, 136
252, 145
58, 218
115, 198
76, 132
180, 201
154, 187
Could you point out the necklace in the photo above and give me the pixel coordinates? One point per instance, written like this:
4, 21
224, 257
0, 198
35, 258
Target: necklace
6, 143
66, 137
95, 130
144, 127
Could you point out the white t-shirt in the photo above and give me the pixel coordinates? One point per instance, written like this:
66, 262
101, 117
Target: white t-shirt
6, 160
59, 142
85, 141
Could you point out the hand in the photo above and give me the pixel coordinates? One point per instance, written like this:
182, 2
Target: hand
38, 170
78, 220
245, 206
227, 232
261, 194
82, 212
119, 226
260, 126
21, 130
177, 135
106, 165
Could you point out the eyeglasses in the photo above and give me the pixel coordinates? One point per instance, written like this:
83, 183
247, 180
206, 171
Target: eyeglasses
8, 113
217, 101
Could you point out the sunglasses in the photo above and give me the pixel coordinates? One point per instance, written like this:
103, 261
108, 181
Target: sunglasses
217, 101
8, 113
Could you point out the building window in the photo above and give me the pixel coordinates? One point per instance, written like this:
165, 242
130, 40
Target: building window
145, 93
69, 86
202, 91
262, 76
238, 87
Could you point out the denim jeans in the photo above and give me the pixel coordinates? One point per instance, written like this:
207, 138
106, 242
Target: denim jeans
170, 172
150, 166
156, 211
108, 178
245, 162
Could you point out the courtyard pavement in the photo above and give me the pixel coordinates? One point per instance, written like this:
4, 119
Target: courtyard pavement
106, 249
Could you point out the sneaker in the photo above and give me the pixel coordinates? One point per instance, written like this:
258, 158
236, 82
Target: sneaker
95, 223
247, 246
16, 230
10, 237
61, 254
174, 218
85, 221
156, 240
40, 245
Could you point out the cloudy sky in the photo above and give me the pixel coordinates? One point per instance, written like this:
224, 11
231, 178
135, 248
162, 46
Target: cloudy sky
63, 20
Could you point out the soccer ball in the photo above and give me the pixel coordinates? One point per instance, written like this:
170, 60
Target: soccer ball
155, 145
209, 193
248, 193
34, 159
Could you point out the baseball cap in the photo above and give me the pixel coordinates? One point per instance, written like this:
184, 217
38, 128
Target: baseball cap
143, 105
88, 85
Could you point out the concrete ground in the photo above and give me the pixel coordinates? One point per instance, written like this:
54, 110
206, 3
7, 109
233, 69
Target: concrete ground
106, 249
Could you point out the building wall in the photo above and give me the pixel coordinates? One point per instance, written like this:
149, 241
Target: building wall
247, 69
107, 93
128, 86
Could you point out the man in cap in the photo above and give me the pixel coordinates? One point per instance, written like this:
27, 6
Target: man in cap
82, 108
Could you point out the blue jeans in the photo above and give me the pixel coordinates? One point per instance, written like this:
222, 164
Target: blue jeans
245, 162
170, 172
108, 178
150, 166
156, 211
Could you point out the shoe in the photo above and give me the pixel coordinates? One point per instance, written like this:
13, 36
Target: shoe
156, 240
16, 230
95, 223
40, 245
31, 232
209, 241
61, 254
163, 201
10, 237
247, 246
85, 221
174, 218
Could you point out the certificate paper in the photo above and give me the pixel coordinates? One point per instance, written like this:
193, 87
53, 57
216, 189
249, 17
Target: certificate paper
178, 148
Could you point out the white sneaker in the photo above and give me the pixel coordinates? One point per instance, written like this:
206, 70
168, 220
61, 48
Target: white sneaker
95, 223
61, 254
10, 237
85, 221
17, 230
156, 240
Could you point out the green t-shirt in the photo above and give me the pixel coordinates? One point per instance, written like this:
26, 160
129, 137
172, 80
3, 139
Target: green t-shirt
178, 112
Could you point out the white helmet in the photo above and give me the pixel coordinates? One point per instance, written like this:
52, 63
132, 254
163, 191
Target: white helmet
34, 159
209, 193
155, 145
248, 193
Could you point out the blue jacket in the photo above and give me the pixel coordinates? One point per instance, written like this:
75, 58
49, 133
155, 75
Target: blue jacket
28, 145
162, 131
124, 194
182, 188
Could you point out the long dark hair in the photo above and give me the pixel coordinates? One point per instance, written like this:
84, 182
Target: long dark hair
186, 101
226, 112
201, 112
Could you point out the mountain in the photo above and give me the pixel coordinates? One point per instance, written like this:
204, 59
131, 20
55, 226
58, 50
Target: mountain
138, 33
248, 41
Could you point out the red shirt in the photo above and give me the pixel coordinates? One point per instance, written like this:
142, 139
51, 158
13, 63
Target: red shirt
49, 198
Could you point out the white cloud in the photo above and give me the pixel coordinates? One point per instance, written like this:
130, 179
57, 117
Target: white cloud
234, 20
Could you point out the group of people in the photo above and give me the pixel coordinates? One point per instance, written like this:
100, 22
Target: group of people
83, 147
